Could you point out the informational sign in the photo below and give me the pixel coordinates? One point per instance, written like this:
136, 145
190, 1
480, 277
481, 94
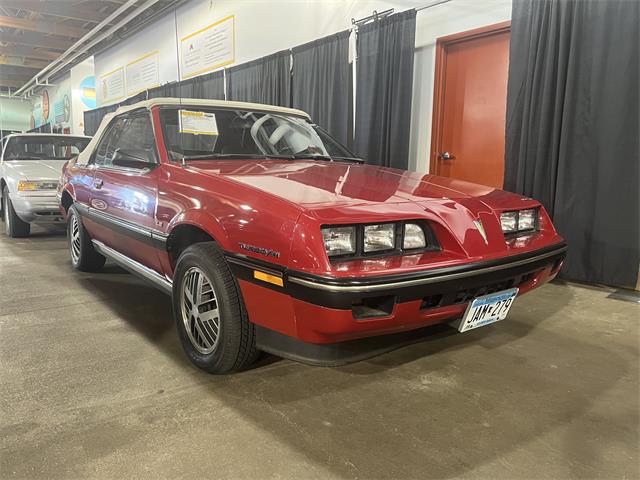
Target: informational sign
198, 123
142, 73
208, 48
113, 85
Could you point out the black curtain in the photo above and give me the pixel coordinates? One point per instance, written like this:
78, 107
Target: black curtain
572, 128
266, 80
92, 118
384, 82
210, 86
320, 83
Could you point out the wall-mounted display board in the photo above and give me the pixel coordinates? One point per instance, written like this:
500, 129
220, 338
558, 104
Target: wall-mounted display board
209, 48
143, 73
113, 87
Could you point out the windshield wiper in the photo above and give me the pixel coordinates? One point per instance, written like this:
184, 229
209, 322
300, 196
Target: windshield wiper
310, 156
307, 156
349, 159
215, 156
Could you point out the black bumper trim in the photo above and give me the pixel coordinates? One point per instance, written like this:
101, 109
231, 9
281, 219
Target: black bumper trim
384, 283
343, 293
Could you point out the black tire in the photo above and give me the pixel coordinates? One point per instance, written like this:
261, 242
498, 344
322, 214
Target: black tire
235, 347
85, 258
14, 227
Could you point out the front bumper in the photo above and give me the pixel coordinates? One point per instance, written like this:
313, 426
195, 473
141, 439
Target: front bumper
316, 319
39, 208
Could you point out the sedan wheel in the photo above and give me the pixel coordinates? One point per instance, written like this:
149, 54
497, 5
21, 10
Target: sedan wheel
13, 226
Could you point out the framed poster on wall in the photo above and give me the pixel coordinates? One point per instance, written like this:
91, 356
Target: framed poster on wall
209, 48
143, 73
112, 84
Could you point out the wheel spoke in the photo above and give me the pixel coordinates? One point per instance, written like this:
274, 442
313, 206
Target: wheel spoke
203, 336
200, 313
210, 316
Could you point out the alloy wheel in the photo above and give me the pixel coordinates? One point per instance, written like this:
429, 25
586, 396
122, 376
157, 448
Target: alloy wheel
199, 307
74, 240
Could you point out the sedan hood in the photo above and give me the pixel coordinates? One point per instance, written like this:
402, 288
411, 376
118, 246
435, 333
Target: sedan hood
319, 184
35, 169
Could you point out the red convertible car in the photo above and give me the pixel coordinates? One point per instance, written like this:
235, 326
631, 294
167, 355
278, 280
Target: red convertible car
270, 235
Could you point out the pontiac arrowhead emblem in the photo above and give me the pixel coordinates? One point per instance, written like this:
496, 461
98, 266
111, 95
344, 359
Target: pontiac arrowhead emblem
480, 228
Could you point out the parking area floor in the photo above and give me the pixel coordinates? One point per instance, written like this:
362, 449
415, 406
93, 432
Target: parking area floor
94, 385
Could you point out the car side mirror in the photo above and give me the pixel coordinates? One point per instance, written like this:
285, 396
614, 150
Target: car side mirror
133, 158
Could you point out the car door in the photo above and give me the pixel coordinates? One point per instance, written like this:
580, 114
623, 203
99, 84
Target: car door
124, 191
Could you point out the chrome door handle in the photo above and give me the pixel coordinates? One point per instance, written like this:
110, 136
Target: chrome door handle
446, 156
98, 184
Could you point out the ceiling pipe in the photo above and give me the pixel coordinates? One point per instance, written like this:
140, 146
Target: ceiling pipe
117, 26
91, 33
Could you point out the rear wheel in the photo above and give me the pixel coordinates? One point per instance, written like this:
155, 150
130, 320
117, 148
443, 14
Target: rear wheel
83, 256
212, 322
14, 227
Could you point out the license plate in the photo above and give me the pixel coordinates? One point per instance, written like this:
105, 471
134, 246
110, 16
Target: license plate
488, 309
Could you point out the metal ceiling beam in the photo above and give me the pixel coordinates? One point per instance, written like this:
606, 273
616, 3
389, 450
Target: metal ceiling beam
4, 83
35, 40
84, 47
28, 52
22, 62
42, 27
23, 70
57, 9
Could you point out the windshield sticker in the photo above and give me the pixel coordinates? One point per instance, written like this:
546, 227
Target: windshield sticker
198, 123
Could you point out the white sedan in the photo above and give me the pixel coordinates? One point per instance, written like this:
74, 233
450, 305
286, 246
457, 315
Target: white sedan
30, 166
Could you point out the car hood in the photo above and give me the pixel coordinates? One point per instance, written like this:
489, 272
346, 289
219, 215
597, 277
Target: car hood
34, 169
320, 184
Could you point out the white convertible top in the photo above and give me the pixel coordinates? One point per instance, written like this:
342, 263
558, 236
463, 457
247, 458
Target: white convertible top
83, 158
203, 102
44, 135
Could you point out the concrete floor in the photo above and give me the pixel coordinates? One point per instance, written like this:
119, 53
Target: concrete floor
94, 384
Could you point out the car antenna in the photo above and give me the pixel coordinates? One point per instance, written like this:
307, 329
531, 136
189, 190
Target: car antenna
178, 89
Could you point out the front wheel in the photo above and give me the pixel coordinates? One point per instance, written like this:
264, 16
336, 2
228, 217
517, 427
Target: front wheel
209, 312
14, 227
83, 256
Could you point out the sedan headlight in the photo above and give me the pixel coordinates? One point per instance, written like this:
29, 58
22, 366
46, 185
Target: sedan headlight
519, 220
379, 237
339, 240
26, 186
413, 237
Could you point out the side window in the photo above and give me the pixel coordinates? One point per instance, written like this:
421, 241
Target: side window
107, 145
137, 140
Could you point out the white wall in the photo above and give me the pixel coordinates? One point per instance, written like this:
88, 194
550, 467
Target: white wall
82, 94
264, 27
15, 114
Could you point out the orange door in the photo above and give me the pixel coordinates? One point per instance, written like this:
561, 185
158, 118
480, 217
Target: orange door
470, 106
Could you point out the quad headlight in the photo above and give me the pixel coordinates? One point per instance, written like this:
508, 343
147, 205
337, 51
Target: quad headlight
364, 240
413, 237
379, 237
26, 186
339, 240
519, 220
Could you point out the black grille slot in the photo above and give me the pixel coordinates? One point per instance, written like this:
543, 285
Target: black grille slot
373, 307
468, 294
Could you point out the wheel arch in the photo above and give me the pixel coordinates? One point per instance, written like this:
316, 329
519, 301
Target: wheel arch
66, 200
191, 228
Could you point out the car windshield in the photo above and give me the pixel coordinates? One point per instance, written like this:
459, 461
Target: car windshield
202, 133
44, 147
